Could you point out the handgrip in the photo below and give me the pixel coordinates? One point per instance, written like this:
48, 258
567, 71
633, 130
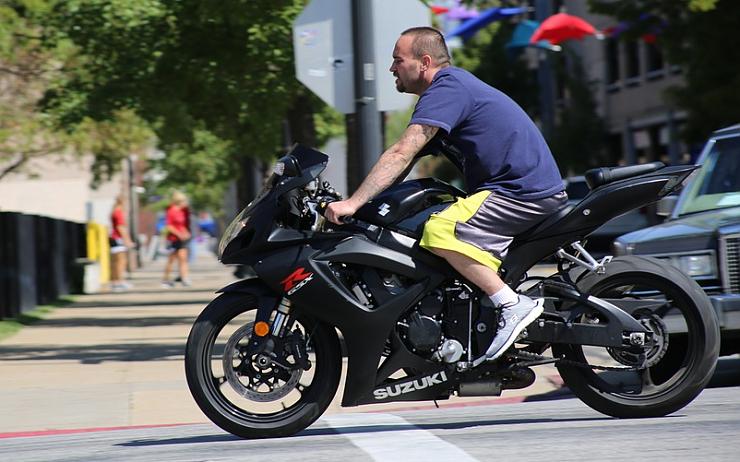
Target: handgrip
324, 203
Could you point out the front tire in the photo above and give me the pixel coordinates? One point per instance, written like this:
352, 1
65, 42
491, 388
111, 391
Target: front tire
234, 401
685, 362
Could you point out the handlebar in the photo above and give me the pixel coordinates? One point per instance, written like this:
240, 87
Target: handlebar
324, 203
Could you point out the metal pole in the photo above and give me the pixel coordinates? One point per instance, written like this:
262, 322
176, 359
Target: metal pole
545, 76
133, 212
369, 138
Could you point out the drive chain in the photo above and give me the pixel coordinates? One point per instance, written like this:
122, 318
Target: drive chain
529, 356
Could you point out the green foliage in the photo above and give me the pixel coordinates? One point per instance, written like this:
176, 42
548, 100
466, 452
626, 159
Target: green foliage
33, 63
112, 141
11, 326
578, 141
329, 124
200, 168
701, 37
26, 69
187, 67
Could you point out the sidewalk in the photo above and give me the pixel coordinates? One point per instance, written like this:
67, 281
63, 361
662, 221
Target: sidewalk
115, 359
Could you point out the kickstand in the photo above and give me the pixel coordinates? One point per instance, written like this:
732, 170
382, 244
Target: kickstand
435, 403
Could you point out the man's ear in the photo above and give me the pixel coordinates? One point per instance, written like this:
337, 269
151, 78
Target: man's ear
426, 62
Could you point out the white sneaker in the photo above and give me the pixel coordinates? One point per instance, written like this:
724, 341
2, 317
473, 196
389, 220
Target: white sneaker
513, 319
168, 284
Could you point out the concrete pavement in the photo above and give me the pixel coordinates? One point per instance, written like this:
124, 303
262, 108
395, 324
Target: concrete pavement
115, 359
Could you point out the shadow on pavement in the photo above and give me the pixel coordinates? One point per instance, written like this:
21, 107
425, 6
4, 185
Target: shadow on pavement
185, 440
149, 321
127, 303
98, 353
560, 393
329, 431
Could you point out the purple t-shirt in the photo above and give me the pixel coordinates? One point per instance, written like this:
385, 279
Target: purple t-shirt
503, 149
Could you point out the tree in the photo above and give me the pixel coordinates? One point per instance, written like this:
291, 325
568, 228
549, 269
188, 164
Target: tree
187, 67
701, 37
579, 139
25, 72
31, 65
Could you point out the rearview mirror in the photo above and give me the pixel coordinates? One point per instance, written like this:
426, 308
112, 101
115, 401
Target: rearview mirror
665, 206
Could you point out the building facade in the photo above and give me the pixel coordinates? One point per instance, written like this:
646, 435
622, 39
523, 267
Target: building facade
630, 78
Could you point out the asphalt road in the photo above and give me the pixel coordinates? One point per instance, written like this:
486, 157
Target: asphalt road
559, 430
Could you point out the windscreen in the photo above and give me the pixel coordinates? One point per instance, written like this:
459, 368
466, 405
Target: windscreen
717, 184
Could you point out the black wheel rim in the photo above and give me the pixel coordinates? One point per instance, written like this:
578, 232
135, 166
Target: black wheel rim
685, 336
230, 401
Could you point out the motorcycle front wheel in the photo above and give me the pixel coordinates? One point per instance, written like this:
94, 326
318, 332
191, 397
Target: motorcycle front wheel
680, 363
249, 395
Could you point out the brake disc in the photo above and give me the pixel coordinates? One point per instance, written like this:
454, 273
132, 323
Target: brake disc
256, 377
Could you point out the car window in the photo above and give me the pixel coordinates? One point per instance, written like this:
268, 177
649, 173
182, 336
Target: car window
717, 184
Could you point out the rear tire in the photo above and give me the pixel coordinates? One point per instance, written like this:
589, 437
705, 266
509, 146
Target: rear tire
687, 364
250, 412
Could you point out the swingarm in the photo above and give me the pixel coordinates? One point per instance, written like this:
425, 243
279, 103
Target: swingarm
575, 318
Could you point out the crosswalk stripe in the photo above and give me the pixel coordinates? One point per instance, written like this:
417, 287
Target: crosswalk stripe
387, 438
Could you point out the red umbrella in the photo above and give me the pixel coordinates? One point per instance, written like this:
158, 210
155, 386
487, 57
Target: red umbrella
561, 27
439, 9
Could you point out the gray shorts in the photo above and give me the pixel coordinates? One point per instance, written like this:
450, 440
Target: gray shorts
483, 225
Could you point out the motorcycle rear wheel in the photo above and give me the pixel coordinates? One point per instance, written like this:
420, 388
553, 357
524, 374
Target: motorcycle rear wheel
232, 400
679, 372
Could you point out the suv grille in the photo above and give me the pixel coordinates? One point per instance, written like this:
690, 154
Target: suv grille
729, 249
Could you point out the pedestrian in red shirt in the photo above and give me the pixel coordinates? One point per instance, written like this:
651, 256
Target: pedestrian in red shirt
177, 221
120, 241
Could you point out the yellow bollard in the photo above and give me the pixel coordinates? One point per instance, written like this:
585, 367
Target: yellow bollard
98, 248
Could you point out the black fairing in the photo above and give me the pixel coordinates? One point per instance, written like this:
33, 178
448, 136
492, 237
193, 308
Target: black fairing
406, 206
364, 329
260, 233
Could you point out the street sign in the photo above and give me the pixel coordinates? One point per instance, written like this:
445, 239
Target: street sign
322, 41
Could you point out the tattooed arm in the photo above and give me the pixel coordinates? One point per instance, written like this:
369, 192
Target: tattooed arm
389, 166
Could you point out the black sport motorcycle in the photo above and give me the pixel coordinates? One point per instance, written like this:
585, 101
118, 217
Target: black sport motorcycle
630, 336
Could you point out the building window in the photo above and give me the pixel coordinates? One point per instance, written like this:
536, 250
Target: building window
612, 64
655, 63
632, 62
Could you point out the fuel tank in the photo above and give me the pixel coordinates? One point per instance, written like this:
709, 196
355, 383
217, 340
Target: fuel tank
405, 207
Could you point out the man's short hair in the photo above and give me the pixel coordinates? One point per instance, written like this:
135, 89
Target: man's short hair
428, 41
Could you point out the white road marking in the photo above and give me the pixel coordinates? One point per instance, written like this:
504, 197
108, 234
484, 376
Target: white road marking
401, 442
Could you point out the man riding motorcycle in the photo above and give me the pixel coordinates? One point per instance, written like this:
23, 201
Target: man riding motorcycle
512, 180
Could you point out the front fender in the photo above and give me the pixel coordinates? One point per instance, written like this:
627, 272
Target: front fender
266, 297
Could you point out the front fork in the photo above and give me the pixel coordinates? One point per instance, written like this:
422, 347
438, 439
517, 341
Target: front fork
281, 318
280, 334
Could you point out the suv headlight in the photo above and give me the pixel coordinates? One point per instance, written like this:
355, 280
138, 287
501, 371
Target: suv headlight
696, 265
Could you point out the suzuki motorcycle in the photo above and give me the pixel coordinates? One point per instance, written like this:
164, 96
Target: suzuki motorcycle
630, 336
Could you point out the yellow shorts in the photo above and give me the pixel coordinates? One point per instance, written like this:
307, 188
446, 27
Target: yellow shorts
482, 226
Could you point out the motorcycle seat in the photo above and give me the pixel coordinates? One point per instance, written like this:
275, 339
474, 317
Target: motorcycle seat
547, 223
600, 176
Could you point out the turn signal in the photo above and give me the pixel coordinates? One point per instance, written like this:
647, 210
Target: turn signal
261, 328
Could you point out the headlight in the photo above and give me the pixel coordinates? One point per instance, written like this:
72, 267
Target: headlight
231, 232
696, 265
